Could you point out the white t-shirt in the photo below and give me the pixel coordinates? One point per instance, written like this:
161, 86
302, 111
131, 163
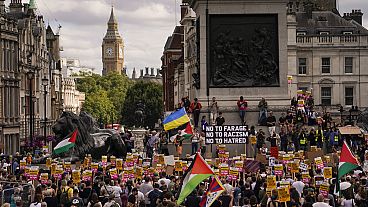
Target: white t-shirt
347, 203
299, 185
35, 205
320, 204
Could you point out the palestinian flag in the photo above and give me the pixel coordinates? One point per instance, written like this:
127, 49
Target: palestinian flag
214, 191
347, 161
196, 173
186, 132
66, 144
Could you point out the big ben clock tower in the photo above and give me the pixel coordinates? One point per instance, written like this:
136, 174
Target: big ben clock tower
112, 48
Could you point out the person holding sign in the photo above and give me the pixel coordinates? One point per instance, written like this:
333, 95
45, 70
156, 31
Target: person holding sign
242, 106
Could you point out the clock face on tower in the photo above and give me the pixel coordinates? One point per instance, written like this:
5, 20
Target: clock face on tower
109, 51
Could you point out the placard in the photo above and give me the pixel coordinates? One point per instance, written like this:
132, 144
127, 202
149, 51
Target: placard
113, 161
44, 178
294, 167
178, 166
22, 164
318, 180
324, 189
33, 173
87, 175
104, 161
76, 176
278, 169
253, 139
67, 167
94, 167
327, 172
227, 134
305, 177
48, 162
271, 181
283, 194
114, 174
119, 164
319, 163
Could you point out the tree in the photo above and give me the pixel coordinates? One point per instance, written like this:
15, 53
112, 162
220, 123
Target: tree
110, 90
151, 96
99, 105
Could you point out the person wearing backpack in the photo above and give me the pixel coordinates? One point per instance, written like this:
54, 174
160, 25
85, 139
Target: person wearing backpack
67, 194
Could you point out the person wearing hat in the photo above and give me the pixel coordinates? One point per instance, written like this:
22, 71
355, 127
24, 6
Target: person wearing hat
76, 201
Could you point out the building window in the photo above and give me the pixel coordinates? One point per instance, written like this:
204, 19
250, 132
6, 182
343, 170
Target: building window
348, 65
324, 33
326, 96
349, 95
347, 33
303, 66
301, 33
325, 65
23, 105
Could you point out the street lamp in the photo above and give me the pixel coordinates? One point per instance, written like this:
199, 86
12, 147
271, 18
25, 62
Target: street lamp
45, 83
30, 76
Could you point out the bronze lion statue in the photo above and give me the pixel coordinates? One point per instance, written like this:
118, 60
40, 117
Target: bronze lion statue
90, 139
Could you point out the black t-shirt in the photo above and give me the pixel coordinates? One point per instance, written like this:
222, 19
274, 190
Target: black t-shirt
220, 121
153, 196
51, 201
271, 119
225, 200
131, 198
192, 201
282, 120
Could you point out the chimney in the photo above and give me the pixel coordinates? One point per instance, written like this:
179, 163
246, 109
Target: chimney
308, 7
347, 16
357, 16
152, 72
183, 10
133, 74
158, 73
147, 74
141, 73
15, 6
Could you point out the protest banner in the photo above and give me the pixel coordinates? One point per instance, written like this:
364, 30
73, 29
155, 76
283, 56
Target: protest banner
305, 177
53, 168
58, 173
67, 167
104, 161
113, 161
44, 178
224, 170
271, 161
87, 175
178, 166
303, 166
324, 189
318, 180
94, 167
271, 182
319, 163
33, 173
294, 167
227, 134
22, 164
114, 174
278, 169
119, 164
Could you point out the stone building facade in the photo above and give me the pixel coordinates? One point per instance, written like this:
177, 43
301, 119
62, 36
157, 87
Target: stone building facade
9, 84
324, 51
73, 99
172, 61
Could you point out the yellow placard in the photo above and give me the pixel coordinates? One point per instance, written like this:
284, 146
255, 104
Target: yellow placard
59, 171
104, 160
209, 161
294, 167
239, 164
327, 172
119, 164
161, 159
44, 177
305, 175
22, 164
253, 139
178, 166
271, 182
76, 176
48, 162
87, 175
283, 194
289, 77
138, 172
53, 168
94, 166
278, 167
324, 187
86, 162
67, 166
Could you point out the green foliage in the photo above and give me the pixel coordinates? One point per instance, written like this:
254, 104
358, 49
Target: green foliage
151, 96
104, 94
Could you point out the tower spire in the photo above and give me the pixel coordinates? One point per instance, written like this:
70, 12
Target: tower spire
112, 19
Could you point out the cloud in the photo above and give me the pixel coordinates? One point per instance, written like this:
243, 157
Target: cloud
143, 24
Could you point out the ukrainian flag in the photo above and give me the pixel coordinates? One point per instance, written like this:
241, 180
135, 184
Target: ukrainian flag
176, 119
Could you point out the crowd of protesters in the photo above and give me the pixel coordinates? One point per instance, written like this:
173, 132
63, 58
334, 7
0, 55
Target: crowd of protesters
299, 128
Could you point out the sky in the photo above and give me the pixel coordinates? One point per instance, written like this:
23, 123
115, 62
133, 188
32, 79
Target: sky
143, 24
